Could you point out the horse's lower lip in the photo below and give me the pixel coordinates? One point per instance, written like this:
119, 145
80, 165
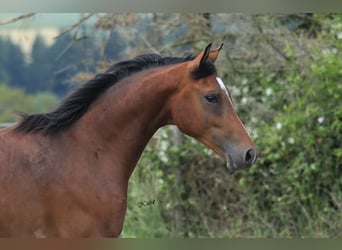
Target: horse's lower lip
230, 164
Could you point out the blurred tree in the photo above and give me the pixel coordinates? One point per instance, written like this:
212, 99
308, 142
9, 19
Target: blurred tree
115, 47
4, 76
12, 63
41, 67
70, 55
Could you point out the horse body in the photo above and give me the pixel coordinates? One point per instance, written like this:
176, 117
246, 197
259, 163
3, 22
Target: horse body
73, 183
79, 167
49, 187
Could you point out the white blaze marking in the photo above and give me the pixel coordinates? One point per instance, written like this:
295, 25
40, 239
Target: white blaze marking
222, 86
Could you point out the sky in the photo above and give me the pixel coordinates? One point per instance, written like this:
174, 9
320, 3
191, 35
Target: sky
24, 32
40, 20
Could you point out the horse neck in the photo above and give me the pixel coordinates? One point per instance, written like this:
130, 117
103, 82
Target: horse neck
123, 120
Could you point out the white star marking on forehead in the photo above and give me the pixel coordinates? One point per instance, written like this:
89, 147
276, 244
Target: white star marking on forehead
222, 86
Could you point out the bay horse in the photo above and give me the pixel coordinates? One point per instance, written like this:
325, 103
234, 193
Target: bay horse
65, 173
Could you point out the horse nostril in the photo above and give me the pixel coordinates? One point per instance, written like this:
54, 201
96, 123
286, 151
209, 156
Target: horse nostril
250, 157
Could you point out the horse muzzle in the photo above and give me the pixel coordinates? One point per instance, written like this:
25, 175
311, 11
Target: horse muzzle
236, 161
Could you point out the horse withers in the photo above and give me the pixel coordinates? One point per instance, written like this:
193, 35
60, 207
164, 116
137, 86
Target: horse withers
65, 173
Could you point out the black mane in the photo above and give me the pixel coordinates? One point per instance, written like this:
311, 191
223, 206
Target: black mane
76, 104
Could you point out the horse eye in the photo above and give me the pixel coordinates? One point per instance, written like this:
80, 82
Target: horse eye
211, 98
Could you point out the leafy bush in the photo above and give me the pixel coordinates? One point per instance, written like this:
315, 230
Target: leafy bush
298, 179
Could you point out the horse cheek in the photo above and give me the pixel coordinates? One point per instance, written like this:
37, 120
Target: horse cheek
187, 120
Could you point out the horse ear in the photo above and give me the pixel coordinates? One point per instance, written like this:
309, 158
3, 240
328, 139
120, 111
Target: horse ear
205, 55
201, 57
214, 54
